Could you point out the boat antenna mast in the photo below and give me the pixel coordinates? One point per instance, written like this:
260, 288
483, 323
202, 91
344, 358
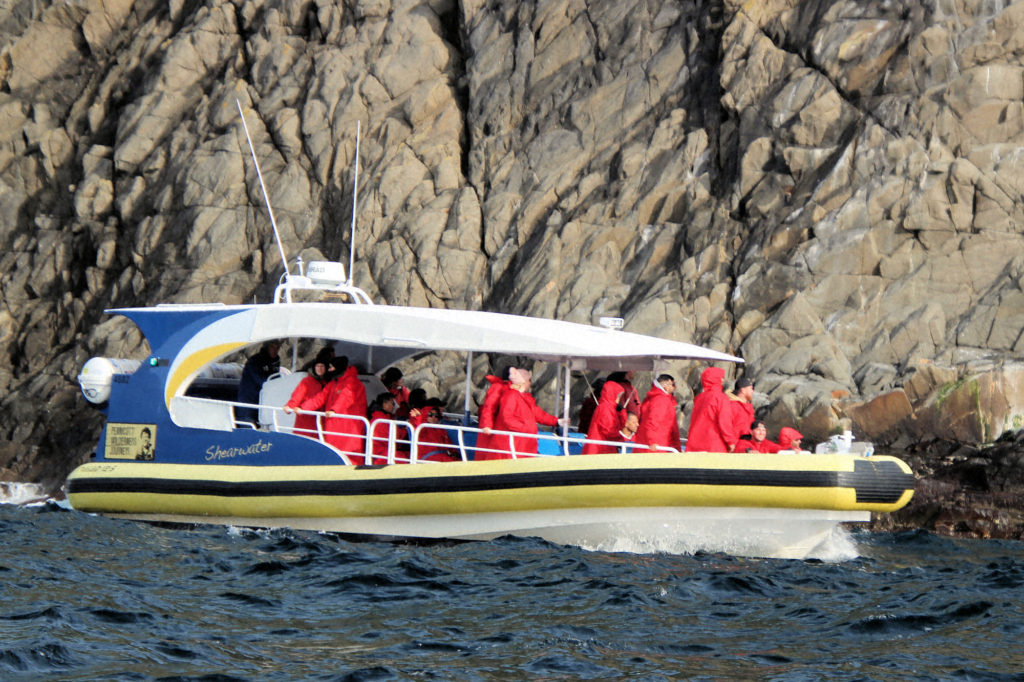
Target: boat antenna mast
266, 197
355, 195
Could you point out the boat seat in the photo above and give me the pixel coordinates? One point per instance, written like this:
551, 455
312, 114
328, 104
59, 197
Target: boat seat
276, 392
202, 413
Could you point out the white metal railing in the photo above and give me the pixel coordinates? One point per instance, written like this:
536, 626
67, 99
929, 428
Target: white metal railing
563, 442
421, 449
405, 443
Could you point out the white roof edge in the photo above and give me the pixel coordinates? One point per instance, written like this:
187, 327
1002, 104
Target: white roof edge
469, 330
386, 326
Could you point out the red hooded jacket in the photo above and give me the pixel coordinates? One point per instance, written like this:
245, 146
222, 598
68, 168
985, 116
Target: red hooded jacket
309, 387
765, 446
632, 399
742, 414
787, 435
435, 445
587, 412
401, 396
711, 425
607, 420
658, 422
381, 432
344, 395
485, 418
517, 411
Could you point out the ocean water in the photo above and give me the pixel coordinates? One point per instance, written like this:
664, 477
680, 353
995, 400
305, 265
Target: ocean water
90, 598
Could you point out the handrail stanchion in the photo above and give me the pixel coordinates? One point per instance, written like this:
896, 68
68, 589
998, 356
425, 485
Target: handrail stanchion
414, 446
367, 442
392, 442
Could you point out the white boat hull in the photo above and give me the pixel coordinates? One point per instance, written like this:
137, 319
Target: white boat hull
757, 532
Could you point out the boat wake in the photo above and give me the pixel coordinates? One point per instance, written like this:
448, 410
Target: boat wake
834, 546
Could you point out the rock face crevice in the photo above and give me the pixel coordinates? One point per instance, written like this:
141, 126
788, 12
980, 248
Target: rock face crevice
831, 189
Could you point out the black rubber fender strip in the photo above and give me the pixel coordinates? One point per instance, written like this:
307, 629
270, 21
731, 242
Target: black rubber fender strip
877, 480
879, 483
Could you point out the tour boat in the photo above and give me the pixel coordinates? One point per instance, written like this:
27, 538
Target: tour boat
174, 449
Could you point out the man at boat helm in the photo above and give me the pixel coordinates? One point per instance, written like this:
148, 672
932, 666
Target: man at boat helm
256, 371
711, 425
659, 425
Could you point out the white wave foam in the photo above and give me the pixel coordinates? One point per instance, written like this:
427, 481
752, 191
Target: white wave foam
838, 546
22, 493
831, 545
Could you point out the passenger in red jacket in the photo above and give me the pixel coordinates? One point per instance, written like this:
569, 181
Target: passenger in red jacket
392, 380
627, 434
759, 440
631, 401
742, 406
344, 396
711, 425
589, 405
383, 408
311, 385
607, 420
789, 438
659, 425
517, 411
434, 443
485, 440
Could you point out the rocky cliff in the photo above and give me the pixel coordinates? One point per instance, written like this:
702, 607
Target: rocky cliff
829, 188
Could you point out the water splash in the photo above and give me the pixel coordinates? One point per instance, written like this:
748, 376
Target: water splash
836, 546
22, 493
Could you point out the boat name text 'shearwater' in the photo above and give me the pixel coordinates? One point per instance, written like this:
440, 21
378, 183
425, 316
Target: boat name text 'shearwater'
216, 452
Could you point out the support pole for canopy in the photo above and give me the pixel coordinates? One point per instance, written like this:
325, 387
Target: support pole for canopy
558, 396
469, 387
558, 386
565, 407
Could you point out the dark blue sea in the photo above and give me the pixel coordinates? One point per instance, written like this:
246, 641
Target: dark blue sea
91, 598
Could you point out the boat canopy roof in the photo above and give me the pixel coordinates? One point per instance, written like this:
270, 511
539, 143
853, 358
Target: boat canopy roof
380, 335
